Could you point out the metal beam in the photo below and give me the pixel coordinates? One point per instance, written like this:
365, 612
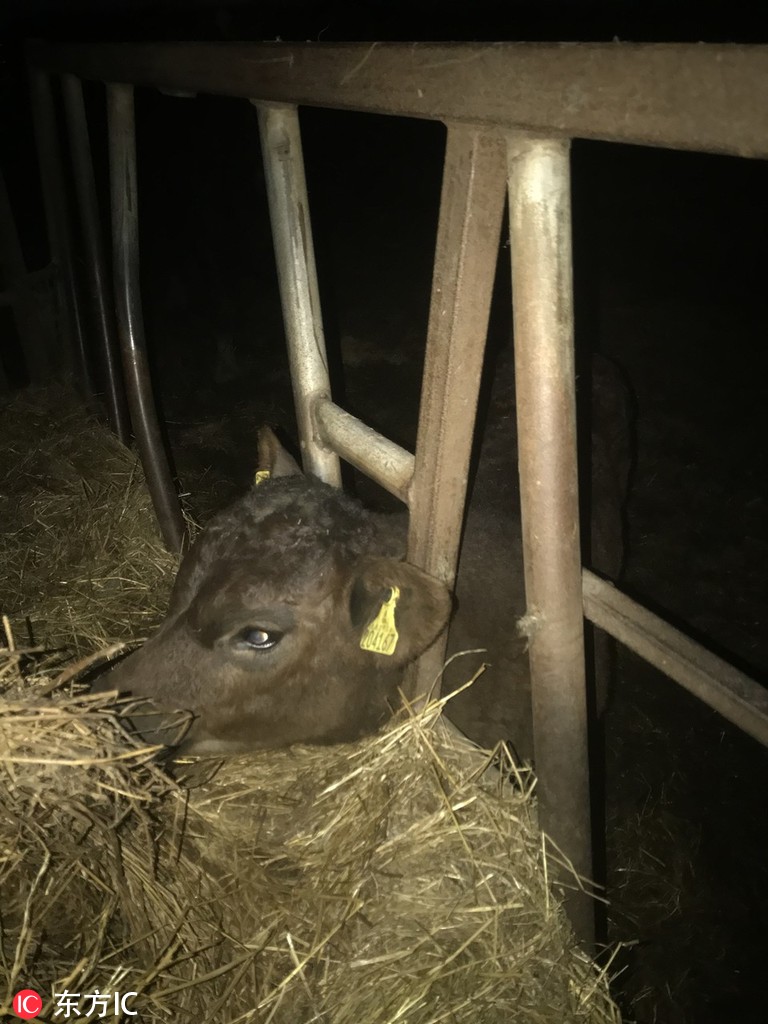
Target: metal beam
712, 98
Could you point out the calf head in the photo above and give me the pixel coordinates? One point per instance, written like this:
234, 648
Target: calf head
271, 635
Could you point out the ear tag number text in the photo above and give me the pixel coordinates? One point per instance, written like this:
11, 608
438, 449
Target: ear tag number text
380, 635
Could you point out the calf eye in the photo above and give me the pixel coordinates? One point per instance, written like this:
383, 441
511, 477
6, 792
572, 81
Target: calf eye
258, 639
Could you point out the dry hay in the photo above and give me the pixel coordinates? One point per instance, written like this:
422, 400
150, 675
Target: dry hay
389, 880
81, 554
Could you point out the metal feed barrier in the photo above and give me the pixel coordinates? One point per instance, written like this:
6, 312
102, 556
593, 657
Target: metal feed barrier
510, 111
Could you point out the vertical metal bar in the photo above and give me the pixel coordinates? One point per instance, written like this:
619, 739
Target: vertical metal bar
471, 208
125, 248
57, 221
299, 294
102, 312
542, 295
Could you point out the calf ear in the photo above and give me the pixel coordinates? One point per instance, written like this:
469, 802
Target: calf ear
273, 458
386, 592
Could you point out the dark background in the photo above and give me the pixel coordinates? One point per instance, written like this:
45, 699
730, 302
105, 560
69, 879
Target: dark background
531, 20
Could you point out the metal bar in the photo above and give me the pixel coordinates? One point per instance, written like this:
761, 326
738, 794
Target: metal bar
130, 326
471, 208
691, 96
542, 299
365, 448
102, 311
295, 256
57, 221
732, 693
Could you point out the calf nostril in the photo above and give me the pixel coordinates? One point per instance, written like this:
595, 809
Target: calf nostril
155, 725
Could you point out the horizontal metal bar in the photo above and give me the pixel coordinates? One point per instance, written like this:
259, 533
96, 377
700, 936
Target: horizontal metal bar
732, 693
683, 96
373, 454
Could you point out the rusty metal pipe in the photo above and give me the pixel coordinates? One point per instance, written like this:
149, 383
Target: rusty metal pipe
299, 294
471, 208
102, 311
58, 225
130, 325
542, 299
365, 448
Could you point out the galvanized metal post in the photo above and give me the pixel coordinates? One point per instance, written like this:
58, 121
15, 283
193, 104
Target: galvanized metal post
542, 298
471, 208
130, 325
102, 311
57, 221
295, 256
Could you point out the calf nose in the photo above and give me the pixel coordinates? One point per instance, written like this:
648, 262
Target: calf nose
152, 723
155, 725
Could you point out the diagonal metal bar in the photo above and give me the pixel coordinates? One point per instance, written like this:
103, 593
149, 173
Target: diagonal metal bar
130, 325
741, 700
471, 208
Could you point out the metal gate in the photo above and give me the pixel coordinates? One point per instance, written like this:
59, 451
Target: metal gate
511, 111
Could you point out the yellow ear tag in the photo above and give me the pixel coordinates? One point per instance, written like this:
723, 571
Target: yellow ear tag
381, 635
260, 477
